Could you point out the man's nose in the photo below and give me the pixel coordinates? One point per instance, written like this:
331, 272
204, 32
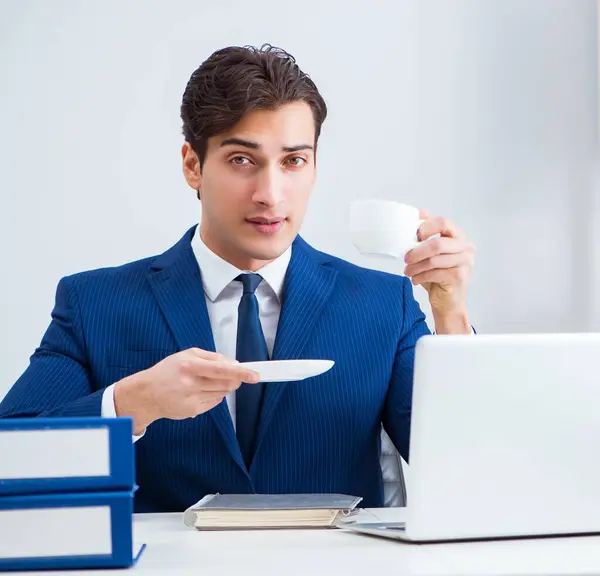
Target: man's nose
269, 188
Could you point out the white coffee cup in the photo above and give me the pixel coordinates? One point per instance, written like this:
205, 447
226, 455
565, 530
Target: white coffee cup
384, 228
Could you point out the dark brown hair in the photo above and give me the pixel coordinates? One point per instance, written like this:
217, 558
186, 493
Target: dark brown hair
237, 80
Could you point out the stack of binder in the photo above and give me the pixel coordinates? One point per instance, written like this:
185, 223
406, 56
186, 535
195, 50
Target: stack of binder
66, 493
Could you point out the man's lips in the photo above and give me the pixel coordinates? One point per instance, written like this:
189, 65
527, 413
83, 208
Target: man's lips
261, 220
266, 225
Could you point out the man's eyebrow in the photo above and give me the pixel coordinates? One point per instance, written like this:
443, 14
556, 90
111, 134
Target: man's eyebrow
240, 142
297, 148
256, 146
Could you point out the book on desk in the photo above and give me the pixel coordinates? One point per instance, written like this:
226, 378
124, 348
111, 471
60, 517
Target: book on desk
254, 511
66, 493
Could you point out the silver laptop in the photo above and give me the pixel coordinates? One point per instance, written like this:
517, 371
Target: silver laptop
505, 439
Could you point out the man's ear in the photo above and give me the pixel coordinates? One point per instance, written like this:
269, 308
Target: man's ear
191, 166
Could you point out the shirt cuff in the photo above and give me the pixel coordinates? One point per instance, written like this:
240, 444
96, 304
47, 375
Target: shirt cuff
472, 331
108, 407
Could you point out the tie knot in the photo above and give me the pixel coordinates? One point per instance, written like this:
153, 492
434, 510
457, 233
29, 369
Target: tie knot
250, 282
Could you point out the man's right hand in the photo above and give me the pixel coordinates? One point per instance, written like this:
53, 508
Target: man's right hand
182, 385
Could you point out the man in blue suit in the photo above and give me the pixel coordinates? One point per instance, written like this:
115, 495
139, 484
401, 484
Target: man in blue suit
160, 340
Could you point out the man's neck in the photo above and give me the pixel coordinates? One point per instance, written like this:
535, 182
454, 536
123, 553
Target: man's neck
239, 261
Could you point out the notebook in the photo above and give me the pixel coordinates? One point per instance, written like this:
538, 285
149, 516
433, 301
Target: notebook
253, 511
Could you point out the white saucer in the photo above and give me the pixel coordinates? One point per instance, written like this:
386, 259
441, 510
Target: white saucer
286, 370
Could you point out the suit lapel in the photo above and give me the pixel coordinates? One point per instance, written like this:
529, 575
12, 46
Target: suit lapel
307, 288
176, 282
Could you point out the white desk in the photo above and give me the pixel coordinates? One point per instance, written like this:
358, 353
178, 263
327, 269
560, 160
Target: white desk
173, 549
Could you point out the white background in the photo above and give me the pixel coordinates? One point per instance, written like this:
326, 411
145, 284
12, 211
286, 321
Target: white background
483, 111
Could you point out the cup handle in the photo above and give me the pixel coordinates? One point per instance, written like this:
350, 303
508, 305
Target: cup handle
418, 243
420, 224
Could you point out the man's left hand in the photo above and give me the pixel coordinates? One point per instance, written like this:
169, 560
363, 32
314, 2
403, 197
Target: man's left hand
442, 266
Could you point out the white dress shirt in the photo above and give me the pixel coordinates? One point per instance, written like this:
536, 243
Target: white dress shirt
223, 294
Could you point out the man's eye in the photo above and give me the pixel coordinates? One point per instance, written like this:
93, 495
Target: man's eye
240, 160
296, 161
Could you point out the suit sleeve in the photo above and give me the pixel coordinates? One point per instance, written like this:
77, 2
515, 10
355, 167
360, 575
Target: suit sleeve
398, 404
56, 382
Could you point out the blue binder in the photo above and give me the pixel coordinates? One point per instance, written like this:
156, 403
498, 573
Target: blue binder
91, 454
96, 531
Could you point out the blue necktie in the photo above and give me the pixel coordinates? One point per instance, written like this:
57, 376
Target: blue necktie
251, 347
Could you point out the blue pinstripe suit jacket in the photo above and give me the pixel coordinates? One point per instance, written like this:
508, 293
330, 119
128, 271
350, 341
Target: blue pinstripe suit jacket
317, 435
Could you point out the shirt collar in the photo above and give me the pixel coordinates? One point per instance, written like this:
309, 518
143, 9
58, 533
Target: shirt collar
218, 273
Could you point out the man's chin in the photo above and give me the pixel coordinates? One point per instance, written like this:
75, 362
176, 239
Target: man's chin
268, 249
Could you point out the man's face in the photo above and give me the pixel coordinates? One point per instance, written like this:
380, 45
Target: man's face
255, 184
